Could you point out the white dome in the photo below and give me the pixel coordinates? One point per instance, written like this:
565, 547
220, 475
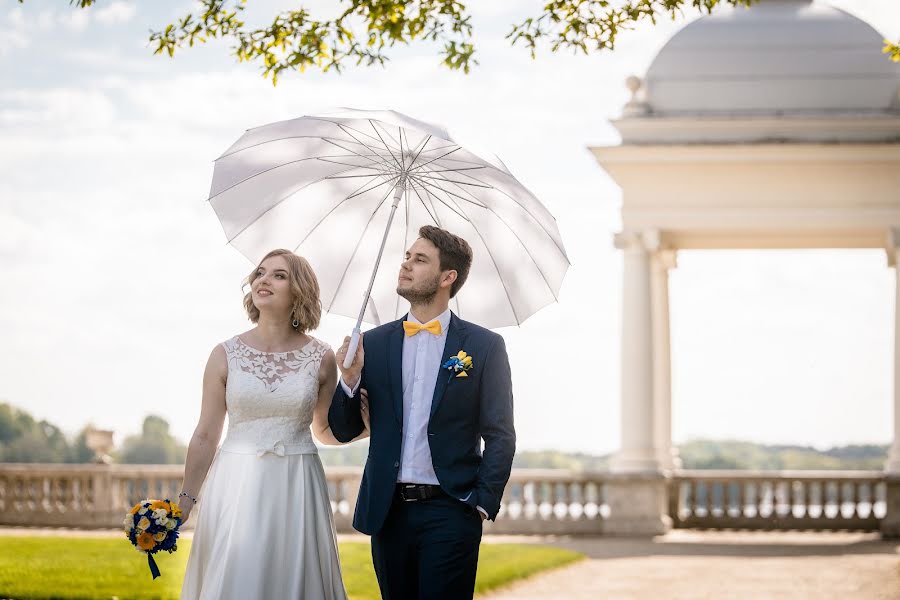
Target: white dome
777, 57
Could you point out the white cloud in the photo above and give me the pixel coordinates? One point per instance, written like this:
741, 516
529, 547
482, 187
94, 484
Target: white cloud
116, 12
14, 33
77, 19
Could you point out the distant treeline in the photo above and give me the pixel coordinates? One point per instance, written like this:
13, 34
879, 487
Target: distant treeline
25, 439
697, 454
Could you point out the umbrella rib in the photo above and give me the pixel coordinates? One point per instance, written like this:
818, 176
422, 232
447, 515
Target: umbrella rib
384, 159
354, 195
475, 202
521, 243
537, 221
378, 133
431, 214
416, 157
345, 127
273, 140
337, 162
474, 164
328, 214
493, 261
416, 168
263, 172
356, 249
362, 143
280, 200
427, 191
481, 185
385, 130
439, 148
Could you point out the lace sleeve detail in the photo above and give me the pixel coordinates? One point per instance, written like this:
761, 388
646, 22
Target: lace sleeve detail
319, 351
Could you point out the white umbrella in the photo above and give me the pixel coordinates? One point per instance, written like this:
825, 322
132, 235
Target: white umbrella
322, 185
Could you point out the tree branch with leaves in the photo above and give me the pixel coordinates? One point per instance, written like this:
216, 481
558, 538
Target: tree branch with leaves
365, 30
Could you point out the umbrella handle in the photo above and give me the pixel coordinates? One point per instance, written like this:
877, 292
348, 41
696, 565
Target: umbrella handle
351, 349
354, 337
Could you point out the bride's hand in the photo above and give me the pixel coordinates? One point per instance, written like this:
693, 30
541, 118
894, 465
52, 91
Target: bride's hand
185, 507
364, 407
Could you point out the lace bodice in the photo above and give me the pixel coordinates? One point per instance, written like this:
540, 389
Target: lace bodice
270, 396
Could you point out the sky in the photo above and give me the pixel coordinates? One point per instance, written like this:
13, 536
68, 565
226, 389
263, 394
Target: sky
117, 280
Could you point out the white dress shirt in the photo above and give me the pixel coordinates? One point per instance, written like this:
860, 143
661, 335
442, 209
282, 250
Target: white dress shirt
423, 354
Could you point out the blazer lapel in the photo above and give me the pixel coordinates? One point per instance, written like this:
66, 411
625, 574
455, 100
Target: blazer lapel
395, 368
456, 337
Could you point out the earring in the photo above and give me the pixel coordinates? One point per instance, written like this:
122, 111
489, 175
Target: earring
296, 322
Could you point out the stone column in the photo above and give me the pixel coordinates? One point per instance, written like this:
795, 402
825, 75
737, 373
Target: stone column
662, 262
637, 452
637, 492
890, 524
893, 462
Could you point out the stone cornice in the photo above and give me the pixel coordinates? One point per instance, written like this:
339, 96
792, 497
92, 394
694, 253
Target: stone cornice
689, 129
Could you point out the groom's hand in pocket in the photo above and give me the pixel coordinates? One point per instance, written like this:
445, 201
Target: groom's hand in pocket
364, 407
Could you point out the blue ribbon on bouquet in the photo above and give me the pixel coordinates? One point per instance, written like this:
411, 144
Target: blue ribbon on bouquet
154, 570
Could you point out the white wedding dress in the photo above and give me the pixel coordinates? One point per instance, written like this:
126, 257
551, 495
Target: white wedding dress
264, 522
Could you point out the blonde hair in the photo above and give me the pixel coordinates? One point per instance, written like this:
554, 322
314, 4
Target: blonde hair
307, 307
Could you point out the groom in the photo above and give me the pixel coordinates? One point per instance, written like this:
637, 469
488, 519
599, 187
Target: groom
427, 485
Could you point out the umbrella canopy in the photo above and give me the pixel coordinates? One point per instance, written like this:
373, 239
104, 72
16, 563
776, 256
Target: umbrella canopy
324, 186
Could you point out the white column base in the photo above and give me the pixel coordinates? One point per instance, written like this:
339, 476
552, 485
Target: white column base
637, 506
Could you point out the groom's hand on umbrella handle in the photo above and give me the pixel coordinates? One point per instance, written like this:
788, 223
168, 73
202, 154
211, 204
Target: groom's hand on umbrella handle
352, 374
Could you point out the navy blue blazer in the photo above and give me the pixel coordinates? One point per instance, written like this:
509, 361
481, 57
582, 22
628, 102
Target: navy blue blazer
464, 410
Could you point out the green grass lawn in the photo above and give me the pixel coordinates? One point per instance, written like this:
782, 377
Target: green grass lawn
96, 568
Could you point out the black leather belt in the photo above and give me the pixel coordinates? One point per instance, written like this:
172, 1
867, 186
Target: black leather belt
413, 492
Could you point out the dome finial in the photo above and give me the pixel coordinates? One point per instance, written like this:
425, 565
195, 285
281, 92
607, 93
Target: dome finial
637, 106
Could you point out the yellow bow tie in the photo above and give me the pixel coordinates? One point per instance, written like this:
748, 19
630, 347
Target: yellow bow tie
412, 329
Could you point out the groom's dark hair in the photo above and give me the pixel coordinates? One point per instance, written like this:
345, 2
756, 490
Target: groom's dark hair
454, 253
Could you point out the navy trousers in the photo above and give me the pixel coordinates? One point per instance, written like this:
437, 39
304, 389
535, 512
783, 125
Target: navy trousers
427, 550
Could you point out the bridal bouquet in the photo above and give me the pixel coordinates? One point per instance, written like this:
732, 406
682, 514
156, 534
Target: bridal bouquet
151, 526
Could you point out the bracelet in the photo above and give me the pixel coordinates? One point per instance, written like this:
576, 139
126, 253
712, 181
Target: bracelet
194, 500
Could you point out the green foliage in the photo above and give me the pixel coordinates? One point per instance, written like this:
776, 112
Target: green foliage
55, 567
587, 26
554, 459
296, 40
709, 454
155, 445
24, 439
363, 32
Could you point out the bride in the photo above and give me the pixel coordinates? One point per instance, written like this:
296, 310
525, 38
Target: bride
265, 527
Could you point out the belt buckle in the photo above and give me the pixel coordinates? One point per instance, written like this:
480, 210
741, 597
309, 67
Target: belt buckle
406, 487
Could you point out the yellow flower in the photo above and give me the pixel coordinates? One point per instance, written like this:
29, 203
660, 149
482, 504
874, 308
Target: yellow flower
157, 504
461, 355
176, 511
159, 536
145, 541
136, 508
144, 523
467, 361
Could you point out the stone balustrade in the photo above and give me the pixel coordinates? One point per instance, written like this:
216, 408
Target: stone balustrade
818, 500
536, 501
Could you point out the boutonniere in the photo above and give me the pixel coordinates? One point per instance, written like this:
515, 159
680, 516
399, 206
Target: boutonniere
458, 365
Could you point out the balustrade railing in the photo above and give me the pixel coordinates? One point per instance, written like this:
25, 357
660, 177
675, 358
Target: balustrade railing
819, 500
536, 501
